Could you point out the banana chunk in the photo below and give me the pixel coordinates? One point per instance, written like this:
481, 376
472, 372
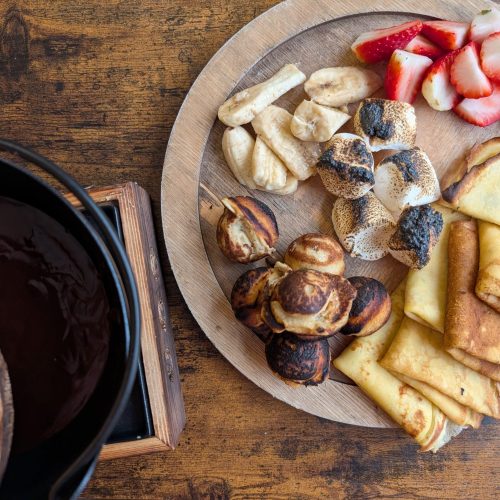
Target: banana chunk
238, 146
313, 122
341, 85
273, 125
290, 187
244, 106
268, 170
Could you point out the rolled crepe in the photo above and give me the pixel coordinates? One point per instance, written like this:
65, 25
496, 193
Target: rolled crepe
418, 352
460, 414
477, 193
407, 407
471, 326
425, 296
488, 278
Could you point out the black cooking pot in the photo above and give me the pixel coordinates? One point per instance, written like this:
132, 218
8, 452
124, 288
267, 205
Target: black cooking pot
61, 466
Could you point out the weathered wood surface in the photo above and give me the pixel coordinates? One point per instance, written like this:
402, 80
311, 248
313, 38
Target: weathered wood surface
96, 86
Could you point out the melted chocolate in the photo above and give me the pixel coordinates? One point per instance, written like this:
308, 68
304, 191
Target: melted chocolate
54, 328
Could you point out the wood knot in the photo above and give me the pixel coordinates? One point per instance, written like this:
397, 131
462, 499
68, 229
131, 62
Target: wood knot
14, 46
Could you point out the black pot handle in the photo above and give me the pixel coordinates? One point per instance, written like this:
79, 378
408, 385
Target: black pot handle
74, 479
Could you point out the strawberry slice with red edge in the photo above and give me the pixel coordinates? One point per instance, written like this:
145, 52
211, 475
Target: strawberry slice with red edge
449, 35
378, 45
484, 24
490, 57
466, 74
481, 112
423, 47
437, 88
404, 75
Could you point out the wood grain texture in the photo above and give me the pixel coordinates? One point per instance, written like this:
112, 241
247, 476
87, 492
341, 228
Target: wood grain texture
313, 34
97, 88
157, 342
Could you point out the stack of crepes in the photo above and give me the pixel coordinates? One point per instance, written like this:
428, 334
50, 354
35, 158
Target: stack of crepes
435, 366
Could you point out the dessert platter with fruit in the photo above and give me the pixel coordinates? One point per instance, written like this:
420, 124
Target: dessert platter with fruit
331, 207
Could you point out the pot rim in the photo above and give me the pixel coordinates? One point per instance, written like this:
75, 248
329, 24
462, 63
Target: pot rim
115, 257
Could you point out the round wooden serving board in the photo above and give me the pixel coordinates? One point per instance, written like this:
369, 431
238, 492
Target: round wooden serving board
313, 34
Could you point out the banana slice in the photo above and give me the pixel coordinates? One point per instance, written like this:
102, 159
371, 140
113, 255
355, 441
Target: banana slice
244, 106
268, 170
313, 122
342, 85
292, 183
238, 146
273, 125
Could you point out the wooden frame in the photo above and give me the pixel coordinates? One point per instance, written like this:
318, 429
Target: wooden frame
157, 342
239, 63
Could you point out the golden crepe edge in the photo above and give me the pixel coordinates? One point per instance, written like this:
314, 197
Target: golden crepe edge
488, 278
490, 370
418, 352
407, 407
471, 325
476, 183
460, 414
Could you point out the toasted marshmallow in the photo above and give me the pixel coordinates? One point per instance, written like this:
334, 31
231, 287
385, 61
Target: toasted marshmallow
363, 226
386, 124
346, 167
417, 233
406, 179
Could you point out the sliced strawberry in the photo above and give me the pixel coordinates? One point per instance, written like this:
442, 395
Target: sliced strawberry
484, 24
448, 35
481, 112
490, 57
378, 45
404, 75
437, 88
466, 74
423, 47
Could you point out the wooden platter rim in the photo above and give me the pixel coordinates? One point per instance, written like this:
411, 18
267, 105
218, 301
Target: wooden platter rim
180, 208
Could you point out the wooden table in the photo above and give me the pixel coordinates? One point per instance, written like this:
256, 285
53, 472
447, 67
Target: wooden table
96, 86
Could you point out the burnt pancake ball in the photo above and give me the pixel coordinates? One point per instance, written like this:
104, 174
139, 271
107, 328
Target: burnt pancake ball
311, 303
247, 296
247, 230
298, 361
371, 307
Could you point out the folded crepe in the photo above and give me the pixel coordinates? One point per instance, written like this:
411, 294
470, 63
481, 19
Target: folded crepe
488, 278
478, 154
472, 328
418, 352
425, 296
477, 193
415, 414
460, 414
